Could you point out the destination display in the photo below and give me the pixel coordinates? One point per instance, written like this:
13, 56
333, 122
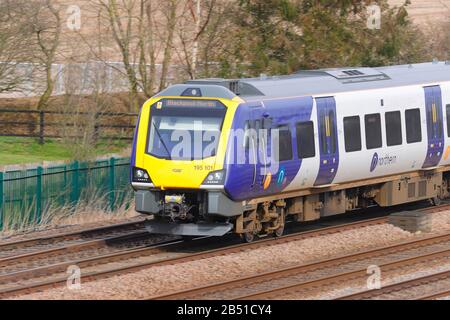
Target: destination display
190, 103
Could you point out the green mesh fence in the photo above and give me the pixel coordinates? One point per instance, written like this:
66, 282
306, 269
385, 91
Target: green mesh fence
27, 195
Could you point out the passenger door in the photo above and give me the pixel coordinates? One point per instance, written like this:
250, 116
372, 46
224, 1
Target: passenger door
261, 142
328, 140
435, 128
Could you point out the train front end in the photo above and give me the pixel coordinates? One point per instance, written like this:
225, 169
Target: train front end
178, 156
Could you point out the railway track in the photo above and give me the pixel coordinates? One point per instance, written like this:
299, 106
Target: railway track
429, 287
442, 294
59, 240
305, 281
171, 252
128, 251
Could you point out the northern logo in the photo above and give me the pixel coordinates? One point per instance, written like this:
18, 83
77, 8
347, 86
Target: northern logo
374, 163
281, 177
387, 160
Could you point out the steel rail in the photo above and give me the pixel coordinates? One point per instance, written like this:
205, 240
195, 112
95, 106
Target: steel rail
140, 252
434, 296
403, 285
145, 251
68, 236
242, 282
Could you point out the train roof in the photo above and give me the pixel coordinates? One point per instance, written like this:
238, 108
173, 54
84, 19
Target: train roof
331, 81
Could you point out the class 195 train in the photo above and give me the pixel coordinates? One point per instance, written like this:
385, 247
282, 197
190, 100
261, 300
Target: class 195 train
215, 156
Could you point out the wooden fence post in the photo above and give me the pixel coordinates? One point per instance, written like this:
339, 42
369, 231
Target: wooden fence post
41, 127
96, 127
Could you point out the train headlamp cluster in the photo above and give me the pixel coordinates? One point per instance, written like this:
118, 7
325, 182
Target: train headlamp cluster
215, 178
141, 175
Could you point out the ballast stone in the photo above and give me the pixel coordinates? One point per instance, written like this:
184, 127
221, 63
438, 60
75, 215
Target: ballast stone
412, 221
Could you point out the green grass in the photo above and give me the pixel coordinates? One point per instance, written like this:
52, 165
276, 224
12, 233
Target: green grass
15, 150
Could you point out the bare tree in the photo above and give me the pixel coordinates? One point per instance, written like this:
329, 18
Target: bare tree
14, 33
201, 32
171, 23
81, 114
147, 49
196, 14
201, 22
46, 25
147, 34
121, 20
140, 40
214, 42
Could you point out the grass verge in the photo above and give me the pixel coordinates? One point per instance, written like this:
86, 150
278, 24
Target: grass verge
18, 150
87, 213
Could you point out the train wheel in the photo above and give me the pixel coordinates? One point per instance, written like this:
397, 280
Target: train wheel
280, 231
435, 201
248, 237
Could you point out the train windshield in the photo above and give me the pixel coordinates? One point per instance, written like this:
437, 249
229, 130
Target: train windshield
181, 131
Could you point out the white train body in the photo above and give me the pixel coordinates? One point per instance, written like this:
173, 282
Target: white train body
398, 159
348, 138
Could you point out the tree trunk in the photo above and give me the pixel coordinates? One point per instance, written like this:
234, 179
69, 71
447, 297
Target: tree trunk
171, 24
196, 40
151, 49
45, 97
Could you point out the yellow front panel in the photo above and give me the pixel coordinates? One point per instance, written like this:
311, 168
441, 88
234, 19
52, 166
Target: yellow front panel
167, 174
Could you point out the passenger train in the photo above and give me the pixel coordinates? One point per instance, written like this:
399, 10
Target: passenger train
299, 147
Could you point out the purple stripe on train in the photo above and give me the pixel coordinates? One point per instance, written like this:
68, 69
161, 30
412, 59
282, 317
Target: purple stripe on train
247, 180
433, 102
328, 140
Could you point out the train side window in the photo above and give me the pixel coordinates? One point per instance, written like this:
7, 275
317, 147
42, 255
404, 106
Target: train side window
285, 144
352, 134
413, 126
448, 120
393, 128
440, 122
327, 133
267, 123
435, 121
257, 128
332, 132
373, 131
247, 135
305, 140
267, 131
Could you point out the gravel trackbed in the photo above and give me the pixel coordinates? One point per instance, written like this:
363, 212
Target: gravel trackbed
165, 279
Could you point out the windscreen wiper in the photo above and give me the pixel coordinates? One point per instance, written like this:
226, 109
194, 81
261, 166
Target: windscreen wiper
162, 141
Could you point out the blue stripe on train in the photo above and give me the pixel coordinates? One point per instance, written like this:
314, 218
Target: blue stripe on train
433, 98
240, 176
328, 140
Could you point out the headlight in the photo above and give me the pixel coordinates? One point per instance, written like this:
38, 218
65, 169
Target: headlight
141, 175
215, 178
